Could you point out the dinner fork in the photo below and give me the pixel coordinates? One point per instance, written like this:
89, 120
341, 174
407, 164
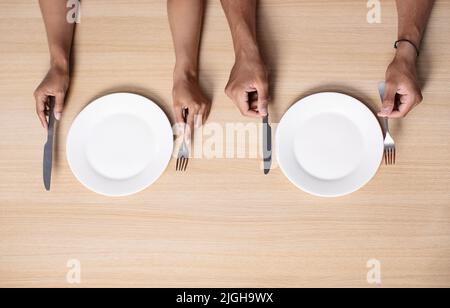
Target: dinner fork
183, 154
389, 144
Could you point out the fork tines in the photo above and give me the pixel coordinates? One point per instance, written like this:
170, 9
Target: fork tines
182, 163
389, 155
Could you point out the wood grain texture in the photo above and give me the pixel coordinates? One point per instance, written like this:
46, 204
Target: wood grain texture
223, 224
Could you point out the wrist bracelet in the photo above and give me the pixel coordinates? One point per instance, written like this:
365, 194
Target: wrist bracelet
408, 41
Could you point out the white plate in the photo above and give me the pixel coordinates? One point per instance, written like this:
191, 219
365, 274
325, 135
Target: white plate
329, 144
120, 144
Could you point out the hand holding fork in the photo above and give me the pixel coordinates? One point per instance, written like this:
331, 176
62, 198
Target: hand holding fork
183, 154
389, 143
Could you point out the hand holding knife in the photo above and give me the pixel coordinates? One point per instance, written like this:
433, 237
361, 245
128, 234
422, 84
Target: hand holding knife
48, 148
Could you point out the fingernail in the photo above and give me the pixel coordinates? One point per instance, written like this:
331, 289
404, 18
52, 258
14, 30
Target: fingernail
58, 116
263, 112
385, 111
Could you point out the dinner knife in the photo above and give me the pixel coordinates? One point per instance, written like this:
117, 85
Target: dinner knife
267, 145
48, 148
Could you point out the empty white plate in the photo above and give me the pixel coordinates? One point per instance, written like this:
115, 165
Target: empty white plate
120, 144
329, 144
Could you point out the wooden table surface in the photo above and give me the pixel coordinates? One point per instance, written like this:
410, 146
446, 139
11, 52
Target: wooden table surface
223, 224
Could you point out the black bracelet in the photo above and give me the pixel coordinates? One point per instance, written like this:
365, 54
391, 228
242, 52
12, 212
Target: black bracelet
408, 41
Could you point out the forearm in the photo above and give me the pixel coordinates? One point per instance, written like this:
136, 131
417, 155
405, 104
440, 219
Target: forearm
241, 17
186, 19
413, 17
59, 31
402, 91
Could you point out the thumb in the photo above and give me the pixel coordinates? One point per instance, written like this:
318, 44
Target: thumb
263, 97
389, 100
59, 105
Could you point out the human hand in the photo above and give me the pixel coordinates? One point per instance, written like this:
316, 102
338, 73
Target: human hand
402, 92
248, 86
187, 94
56, 84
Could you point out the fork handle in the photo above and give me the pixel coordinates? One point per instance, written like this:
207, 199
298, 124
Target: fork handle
386, 124
185, 113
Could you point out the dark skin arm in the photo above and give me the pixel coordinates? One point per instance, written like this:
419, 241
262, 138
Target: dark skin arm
248, 86
60, 36
402, 86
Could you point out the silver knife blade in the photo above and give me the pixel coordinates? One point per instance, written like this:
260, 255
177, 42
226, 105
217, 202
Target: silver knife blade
267, 145
48, 148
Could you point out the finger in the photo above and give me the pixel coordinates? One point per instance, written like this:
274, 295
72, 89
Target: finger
59, 105
249, 106
244, 105
198, 116
254, 106
389, 100
178, 128
400, 113
191, 123
203, 114
238, 96
198, 120
246, 111
178, 110
410, 97
263, 97
403, 110
251, 113
41, 106
253, 100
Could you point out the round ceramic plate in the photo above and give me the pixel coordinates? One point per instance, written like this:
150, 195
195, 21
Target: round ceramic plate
120, 144
329, 144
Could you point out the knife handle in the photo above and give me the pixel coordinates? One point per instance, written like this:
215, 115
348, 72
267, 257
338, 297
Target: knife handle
51, 111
